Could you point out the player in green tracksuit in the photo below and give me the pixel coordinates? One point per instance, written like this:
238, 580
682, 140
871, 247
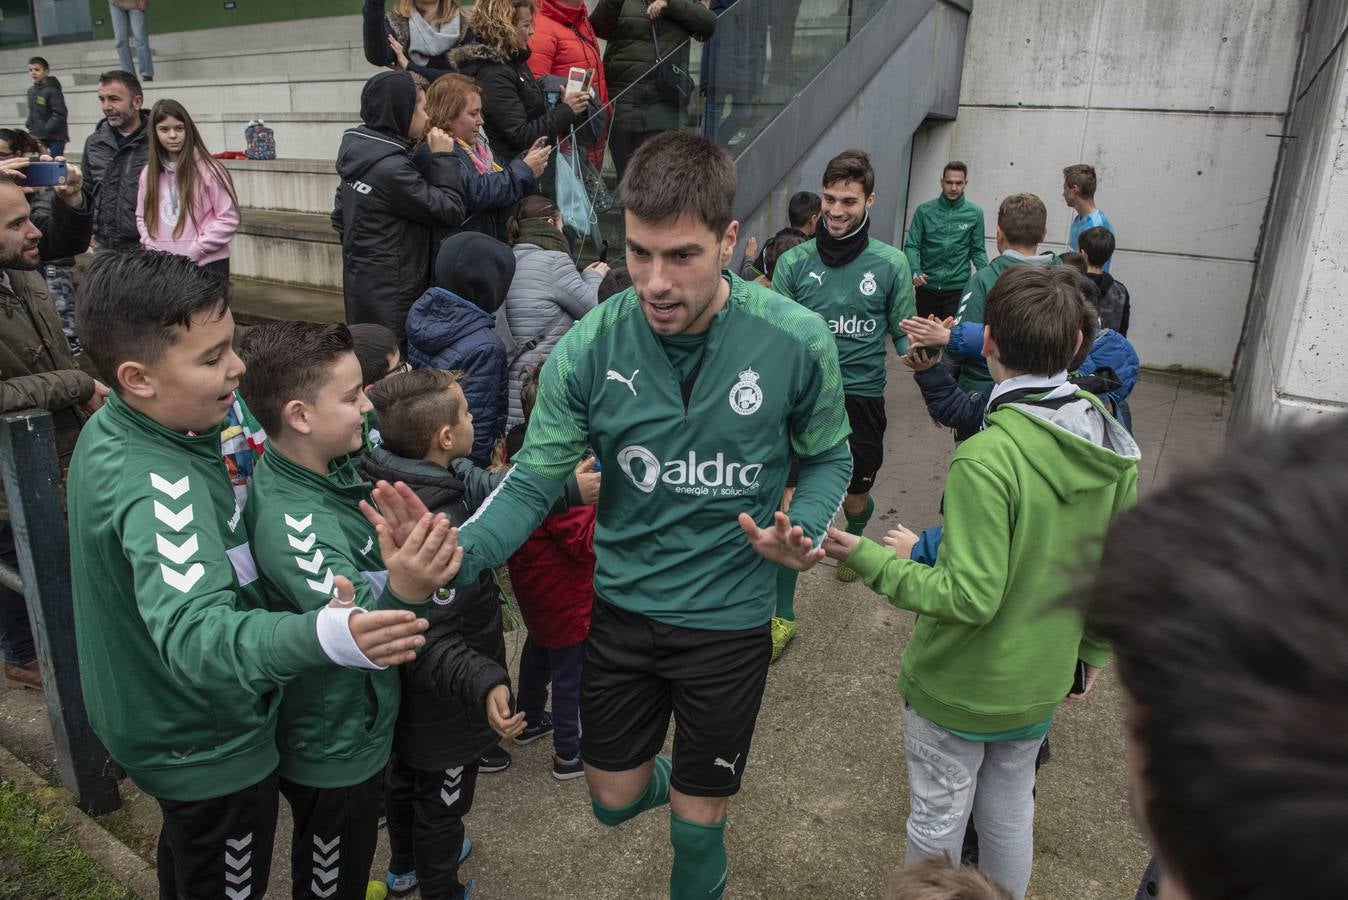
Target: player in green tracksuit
180, 662
694, 388
335, 729
1022, 224
863, 288
944, 239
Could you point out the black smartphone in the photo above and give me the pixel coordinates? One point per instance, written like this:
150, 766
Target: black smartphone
1079, 679
603, 253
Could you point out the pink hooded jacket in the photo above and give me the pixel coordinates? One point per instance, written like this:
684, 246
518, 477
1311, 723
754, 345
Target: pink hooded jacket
217, 218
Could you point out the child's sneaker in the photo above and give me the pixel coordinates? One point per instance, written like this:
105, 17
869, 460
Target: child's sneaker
376, 890
400, 885
495, 759
565, 770
534, 732
783, 630
467, 850
846, 573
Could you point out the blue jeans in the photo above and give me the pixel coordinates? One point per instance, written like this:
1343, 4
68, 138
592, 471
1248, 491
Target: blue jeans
562, 666
133, 21
16, 633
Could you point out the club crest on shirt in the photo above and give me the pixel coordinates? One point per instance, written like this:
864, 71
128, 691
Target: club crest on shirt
868, 285
746, 396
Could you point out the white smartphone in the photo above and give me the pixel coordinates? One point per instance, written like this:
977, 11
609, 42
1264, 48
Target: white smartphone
577, 80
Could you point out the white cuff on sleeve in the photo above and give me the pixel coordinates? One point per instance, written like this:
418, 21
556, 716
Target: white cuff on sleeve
334, 636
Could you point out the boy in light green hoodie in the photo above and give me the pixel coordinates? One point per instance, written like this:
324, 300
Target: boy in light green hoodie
992, 654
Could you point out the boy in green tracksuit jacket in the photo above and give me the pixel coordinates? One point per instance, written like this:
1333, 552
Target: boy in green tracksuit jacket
180, 663
694, 388
990, 657
863, 288
334, 730
944, 239
1022, 224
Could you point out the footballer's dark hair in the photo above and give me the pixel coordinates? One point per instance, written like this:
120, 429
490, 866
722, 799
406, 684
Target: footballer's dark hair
132, 304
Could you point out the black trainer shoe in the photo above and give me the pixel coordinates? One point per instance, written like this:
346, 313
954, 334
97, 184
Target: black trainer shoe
496, 759
534, 732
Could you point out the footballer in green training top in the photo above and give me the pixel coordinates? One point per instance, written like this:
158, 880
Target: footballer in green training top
695, 389
863, 288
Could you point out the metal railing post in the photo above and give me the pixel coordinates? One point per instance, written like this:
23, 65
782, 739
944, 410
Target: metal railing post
32, 476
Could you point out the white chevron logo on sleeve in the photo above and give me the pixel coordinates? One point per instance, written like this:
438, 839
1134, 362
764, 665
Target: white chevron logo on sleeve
330, 859
322, 892
242, 893
237, 862
301, 545
239, 877
329, 846
300, 524
323, 587
178, 554
177, 521
310, 565
174, 489
182, 581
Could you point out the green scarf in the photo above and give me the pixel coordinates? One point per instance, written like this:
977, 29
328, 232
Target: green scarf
539, 232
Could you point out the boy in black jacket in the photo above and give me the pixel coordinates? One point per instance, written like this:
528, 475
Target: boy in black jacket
427, 427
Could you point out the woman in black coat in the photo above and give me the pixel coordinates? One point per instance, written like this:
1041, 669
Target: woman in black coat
514, 108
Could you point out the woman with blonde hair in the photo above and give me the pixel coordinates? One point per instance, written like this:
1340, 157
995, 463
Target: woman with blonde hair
490, 190
514, 109
415, 36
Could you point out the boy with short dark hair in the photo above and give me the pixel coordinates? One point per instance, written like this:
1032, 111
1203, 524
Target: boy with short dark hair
47, 118
440, 735
334, 730
1097, 245
180, 662
380, 355
991, 657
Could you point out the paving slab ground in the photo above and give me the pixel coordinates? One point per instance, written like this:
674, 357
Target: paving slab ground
823, 806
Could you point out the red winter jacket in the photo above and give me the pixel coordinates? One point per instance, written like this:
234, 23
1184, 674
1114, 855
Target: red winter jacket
552, 574
563, 38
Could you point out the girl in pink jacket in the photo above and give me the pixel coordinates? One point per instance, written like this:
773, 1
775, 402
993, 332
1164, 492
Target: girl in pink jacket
186, 203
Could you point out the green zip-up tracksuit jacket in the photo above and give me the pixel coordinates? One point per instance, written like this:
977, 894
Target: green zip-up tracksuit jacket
944, 240
861, 302
1026, 503
667, 541
974, 375
179, 661
336, 727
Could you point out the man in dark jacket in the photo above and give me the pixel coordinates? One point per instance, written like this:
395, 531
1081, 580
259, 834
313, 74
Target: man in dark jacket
113, 157
46, 108
37, 370
385, 207
453, 327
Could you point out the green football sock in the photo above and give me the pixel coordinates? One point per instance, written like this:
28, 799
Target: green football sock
857, 524
700, 868
656, 794
786, 593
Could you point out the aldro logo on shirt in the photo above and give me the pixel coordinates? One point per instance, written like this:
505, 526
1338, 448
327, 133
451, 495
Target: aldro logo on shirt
698, 477
852, 326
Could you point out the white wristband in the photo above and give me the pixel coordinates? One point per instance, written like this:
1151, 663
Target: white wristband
334, 636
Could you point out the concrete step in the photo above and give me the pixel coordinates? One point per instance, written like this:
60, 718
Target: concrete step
256, 301
280, 37
302, 135
287, 247
290, 185
333, 58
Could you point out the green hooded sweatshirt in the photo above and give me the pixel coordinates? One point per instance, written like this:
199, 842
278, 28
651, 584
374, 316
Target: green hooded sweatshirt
335, 727
944, 239
179, 661
1026, 504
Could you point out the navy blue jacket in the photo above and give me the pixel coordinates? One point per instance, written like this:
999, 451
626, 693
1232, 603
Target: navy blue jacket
445, 331
488, 198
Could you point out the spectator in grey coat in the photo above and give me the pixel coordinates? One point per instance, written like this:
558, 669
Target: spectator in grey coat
547, 294
47, 116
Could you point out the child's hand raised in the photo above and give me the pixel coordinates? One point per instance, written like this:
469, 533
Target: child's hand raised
399, 508
927, 332
839, 544
428, 559
901, 540
782, 542
498, 713
919, 360
587, 480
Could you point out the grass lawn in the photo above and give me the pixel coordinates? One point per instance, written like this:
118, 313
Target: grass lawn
39, 858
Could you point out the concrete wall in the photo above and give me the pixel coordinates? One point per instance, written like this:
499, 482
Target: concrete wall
189, 15
1173, 103
1291, 362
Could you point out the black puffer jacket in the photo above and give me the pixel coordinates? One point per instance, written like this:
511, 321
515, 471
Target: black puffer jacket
514, 110
65, 229
112, 173
386, 208
630, 55
442, 722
